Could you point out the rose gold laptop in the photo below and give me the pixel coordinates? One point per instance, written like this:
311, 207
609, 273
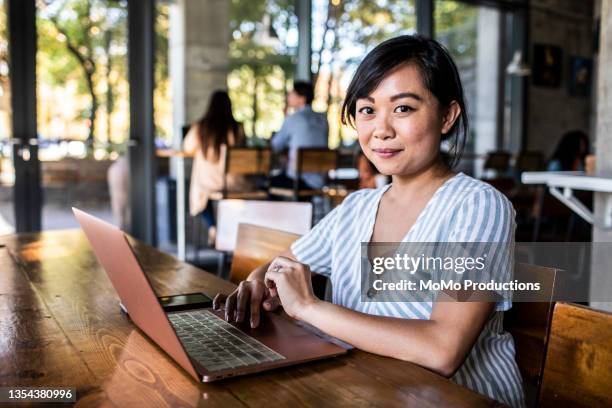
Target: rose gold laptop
201, 341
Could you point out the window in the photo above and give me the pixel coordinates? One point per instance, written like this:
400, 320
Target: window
82, 87
262, 53
477, 39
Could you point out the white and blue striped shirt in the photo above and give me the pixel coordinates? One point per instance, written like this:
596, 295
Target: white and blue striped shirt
463, 209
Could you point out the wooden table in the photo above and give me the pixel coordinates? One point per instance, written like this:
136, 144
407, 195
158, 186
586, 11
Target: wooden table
60, 325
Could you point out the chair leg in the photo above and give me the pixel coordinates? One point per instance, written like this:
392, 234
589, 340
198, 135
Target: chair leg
195, 239
220, 264
199, 241
538, 219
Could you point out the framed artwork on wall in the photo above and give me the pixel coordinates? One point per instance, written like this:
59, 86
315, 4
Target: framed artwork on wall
547, 65
581, 73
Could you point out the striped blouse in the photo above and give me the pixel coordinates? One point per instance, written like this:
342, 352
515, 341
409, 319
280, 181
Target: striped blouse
463, 209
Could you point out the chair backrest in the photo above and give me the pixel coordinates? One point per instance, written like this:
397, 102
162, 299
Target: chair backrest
255, 246
578, 365
529, 161
247, 160
529, 322
498, 161
316, 160
294, 217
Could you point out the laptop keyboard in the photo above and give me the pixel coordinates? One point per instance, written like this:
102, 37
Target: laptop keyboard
216, 344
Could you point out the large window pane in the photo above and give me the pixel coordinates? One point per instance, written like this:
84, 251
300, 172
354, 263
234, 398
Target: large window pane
82, 87
472, 35
162, 103
262, 51
82, 103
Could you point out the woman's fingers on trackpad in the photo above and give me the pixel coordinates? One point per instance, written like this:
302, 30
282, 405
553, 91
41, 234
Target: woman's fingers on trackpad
219, 301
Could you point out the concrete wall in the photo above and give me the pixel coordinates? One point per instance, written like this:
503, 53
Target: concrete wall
199, 62
601, 277
487, 76
552, 111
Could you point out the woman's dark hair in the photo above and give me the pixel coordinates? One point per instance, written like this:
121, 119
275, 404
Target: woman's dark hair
216, 123
439, 74
304, 89
569, 149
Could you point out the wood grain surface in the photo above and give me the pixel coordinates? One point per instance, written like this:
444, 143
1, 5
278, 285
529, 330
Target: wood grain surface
60, 325
578, 360
255, 246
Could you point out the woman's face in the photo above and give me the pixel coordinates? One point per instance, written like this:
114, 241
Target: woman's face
399, 125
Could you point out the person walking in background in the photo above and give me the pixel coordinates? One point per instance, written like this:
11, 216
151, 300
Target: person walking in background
303, 128
118, 176
570, 153
208, 139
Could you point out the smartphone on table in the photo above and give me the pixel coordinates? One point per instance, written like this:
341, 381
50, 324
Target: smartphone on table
176, 303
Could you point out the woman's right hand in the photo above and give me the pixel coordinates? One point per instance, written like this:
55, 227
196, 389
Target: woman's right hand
251, 293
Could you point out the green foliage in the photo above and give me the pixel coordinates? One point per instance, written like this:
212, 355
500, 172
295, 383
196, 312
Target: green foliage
371, 22
55, 64
259, 70
162, 102
83, 41
455, 27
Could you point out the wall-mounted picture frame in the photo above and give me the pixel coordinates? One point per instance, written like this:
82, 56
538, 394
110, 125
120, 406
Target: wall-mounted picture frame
580, 76
547, 65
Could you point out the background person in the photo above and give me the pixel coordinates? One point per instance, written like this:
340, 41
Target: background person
303, 128
118, 177
208, 139
570, 153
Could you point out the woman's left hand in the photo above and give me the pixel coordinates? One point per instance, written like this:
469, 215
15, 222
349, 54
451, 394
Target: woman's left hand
291, 281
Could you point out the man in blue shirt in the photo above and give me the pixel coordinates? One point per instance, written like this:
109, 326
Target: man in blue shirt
303, 128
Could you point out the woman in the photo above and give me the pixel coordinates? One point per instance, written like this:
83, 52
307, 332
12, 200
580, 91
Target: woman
570, 153
208, 140
405, 100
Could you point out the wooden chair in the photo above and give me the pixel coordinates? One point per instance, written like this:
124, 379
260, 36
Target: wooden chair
497, 172
578, 369
285, 216
309, 160
258, 245
246, 161
255, 246
239, 161
294, 217
529, 323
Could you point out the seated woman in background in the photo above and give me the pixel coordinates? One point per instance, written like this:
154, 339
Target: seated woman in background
570, 153
208, 139
405, 101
